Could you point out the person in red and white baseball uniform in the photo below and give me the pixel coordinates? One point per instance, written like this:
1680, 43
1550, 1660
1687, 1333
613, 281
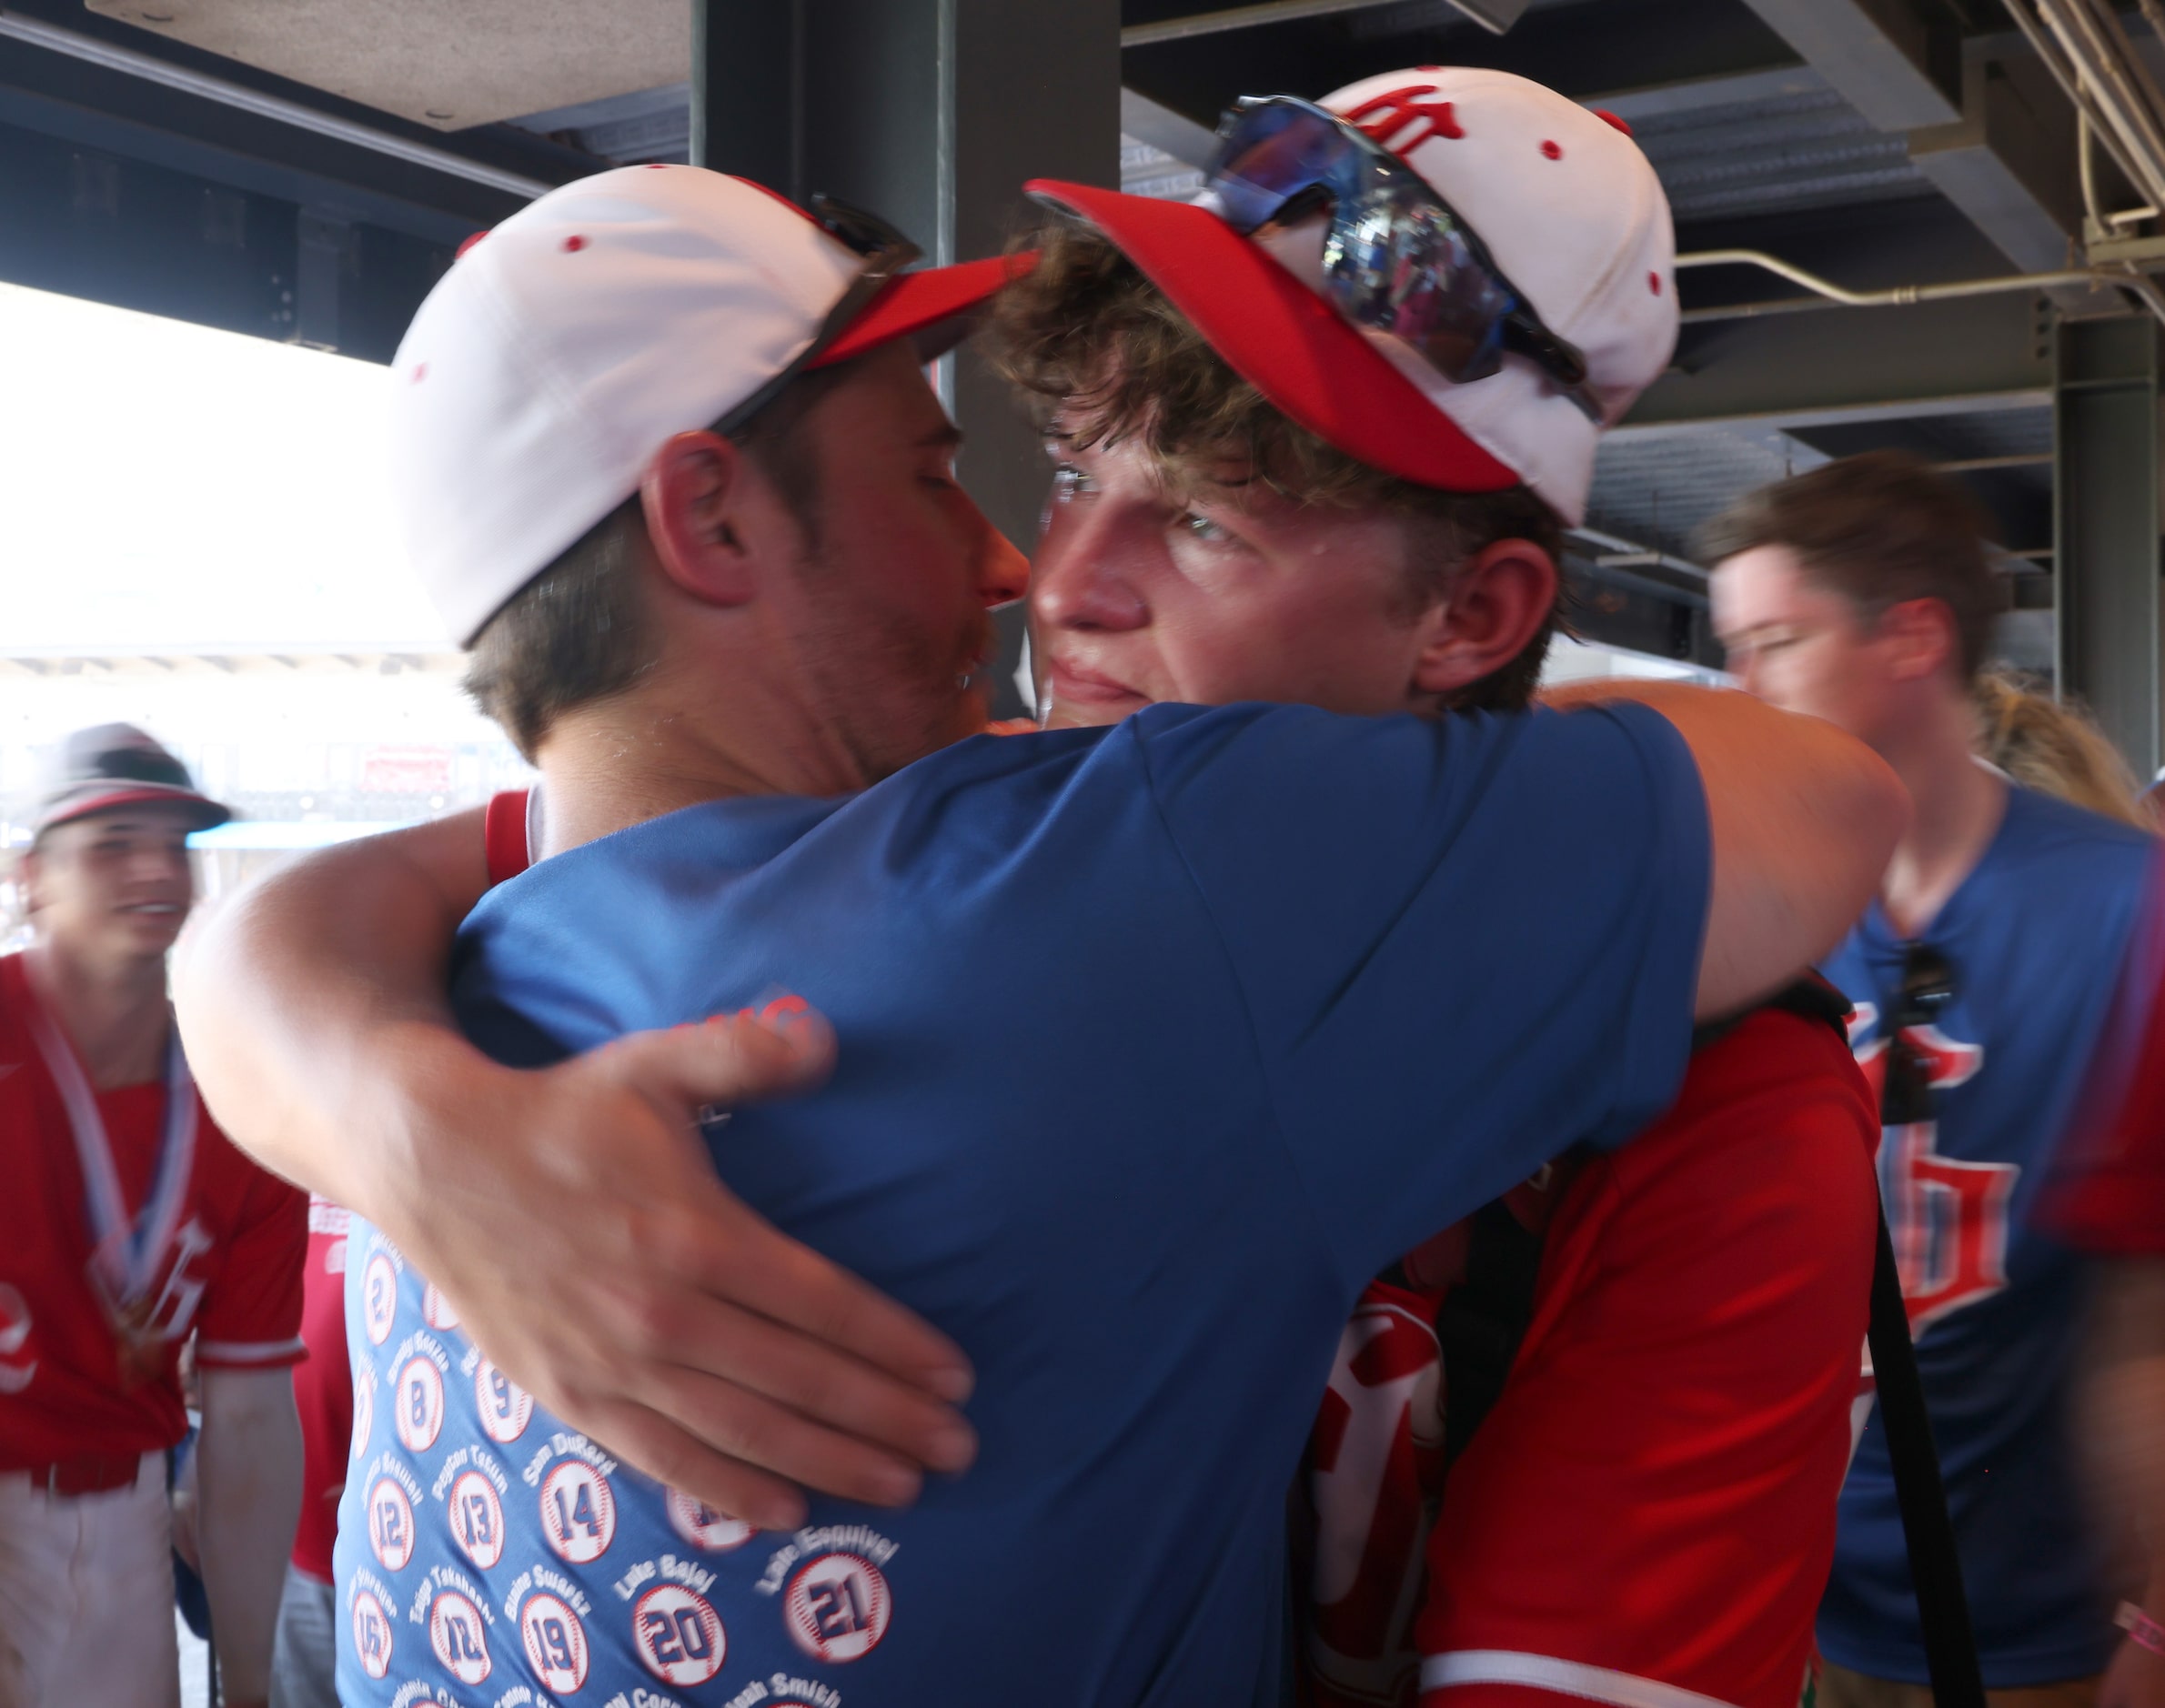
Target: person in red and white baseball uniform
133, 1225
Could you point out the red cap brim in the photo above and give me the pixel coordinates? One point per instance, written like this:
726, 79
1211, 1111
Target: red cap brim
1285, 339
207, 813
917, 302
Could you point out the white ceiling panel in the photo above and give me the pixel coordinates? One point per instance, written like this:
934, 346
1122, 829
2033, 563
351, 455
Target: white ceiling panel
447, 64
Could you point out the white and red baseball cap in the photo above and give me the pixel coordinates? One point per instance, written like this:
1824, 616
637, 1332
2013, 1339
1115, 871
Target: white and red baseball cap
117, 764
1569, 209
568, 343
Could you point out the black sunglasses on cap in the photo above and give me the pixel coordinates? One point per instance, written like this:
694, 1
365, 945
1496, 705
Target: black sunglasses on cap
1398, 258
886, 252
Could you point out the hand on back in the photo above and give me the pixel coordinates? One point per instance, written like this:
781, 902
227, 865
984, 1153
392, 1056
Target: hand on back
647, 1307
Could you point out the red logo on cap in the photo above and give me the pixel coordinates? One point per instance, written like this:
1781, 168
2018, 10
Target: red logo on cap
1419, 105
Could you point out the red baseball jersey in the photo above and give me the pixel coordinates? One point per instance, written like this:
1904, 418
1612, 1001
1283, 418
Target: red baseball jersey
322, 1391
229, 1273
1650, 1507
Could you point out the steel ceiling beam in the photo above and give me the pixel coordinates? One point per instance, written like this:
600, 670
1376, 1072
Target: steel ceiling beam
1900, 71
2000, 151
1237, 18
1700, 95
1174, 133
2008, 163
1973, 356
1496, 16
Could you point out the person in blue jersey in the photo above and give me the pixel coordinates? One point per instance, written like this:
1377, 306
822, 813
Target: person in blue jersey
1240, 914
1860, 592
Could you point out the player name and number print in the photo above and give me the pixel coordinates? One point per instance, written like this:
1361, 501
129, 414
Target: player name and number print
836, 1605
476, 1519
455, 1634
556, 1642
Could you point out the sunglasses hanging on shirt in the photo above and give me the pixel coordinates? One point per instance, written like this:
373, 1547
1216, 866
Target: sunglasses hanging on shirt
1927, 987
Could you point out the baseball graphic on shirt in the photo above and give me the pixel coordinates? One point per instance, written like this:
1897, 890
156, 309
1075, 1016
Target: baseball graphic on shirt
364, 1404
379, 1298
680, 1635
455, 1633
578, 1511
436, 1309
701, 1526
476, 1517
391, 1525
505, 1407
556, 1642
417, 1406
371, 1636
838, 1607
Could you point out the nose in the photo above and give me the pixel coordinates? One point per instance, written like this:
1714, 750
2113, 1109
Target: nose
1003, 572
160, 864
1080, 581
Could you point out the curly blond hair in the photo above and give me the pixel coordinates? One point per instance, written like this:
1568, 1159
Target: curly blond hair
1087, 336
2053, 746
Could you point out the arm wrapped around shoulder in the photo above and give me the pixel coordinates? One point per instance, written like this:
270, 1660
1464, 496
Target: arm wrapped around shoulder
1803, 820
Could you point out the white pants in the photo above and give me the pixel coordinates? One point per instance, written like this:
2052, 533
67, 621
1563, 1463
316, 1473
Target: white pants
87, 1595
305, 1657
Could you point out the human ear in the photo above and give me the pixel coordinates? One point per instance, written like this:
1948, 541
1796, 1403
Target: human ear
1496, 603
1918, 637
29, 870
696, 496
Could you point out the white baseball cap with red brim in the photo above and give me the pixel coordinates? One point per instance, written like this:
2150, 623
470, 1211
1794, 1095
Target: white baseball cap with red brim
112, 766
568, 343
1568, 206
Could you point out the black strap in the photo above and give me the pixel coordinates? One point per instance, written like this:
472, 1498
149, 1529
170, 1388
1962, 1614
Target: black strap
1811, 998
1935, 1571
1927, 1531
1485, 1317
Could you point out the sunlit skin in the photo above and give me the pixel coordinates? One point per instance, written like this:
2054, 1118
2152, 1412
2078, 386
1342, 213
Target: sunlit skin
853, 649
890, 615
1805, 647
1893, 678
114, 887
1209, 593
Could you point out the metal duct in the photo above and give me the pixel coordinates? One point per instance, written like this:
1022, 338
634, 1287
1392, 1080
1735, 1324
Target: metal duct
1827, 294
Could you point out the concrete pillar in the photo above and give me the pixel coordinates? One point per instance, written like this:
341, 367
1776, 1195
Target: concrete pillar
2106, 527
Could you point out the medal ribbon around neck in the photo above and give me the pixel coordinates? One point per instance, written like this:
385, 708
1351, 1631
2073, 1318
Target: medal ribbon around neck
125, 1256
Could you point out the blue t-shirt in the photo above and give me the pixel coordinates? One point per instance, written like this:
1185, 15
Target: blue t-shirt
1155, 1044
2035, 936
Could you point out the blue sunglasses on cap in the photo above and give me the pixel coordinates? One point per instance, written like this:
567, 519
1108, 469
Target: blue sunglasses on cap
1397, 259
